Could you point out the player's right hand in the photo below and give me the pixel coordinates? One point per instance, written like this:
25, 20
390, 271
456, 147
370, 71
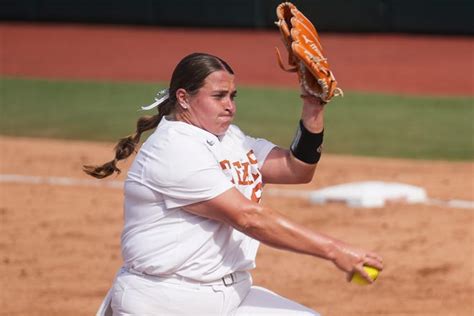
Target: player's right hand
351, 260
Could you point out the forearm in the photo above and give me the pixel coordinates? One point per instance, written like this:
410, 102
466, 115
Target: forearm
298, 165
312, 114
275, 230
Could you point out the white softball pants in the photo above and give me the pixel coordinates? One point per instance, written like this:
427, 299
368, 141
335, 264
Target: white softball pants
133, 294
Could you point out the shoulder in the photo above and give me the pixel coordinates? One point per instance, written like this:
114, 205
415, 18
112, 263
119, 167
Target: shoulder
176, 149
179, 161
171, 136
234, 129
177, 146
260, 146
235, 132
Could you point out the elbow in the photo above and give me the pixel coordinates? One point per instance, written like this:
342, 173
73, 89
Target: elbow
306, 177
302, 172
250, 220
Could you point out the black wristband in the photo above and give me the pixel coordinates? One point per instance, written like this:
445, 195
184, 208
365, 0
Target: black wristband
307, 146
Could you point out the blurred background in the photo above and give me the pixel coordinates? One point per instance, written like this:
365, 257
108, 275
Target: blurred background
407, 16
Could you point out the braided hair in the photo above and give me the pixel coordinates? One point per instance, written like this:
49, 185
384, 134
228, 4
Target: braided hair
190, 74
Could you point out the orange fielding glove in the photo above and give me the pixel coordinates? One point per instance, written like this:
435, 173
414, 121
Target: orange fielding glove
305, 53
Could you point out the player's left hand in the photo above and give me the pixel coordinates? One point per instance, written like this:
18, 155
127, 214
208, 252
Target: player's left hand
309, 99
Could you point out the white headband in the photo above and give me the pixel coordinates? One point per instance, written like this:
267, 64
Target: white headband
161, 97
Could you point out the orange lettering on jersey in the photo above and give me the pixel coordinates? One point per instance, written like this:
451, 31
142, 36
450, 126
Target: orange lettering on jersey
246, 170
245, 174
257, 193
252, 158
237, 167
225, 164
242, 170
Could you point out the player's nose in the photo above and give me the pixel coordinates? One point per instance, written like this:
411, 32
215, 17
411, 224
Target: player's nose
229, 105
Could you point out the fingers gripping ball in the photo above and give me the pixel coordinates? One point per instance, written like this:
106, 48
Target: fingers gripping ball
359, 279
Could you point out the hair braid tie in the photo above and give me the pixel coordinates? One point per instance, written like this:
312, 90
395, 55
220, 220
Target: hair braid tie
161, 97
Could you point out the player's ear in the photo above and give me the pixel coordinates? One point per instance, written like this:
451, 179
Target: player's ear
182, 98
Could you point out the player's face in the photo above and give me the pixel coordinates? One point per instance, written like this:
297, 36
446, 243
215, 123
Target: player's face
213, 107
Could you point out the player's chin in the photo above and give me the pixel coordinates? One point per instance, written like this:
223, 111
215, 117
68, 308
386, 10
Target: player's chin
223, 130
223, 127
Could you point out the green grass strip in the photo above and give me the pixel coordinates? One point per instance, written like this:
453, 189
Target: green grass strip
365, 124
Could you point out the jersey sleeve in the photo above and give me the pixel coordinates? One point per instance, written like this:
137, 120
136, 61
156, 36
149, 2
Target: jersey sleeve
260, 146
185, 174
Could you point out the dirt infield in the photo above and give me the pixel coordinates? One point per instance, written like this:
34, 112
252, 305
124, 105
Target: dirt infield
60, 244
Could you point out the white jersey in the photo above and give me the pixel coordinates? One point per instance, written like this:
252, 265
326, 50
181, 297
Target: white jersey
181, 164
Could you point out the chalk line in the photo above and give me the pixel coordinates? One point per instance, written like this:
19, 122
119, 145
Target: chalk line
304, 194
59, 181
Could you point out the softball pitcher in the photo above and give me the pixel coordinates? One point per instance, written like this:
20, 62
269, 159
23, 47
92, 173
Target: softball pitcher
192, 218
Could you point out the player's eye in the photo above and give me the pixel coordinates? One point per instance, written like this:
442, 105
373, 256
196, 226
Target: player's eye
219, 96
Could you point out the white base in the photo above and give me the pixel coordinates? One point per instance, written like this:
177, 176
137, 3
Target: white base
369, 194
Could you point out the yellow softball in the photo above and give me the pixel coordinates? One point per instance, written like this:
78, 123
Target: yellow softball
371, 271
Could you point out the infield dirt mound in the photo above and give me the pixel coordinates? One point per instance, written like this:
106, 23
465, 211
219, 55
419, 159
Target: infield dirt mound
60, 245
